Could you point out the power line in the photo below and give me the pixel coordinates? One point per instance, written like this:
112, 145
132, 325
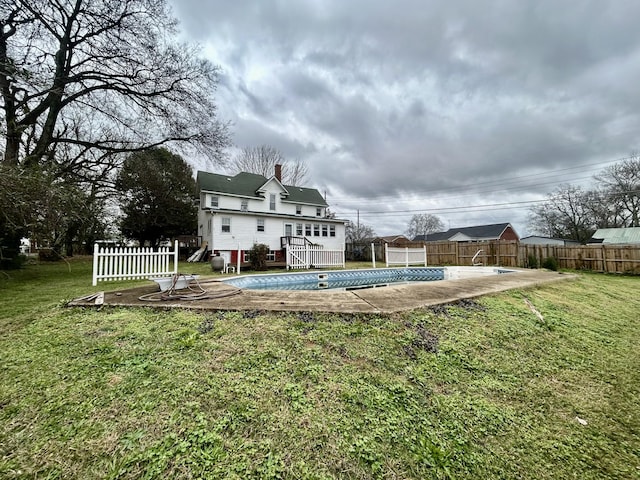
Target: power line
504, 183
465, 208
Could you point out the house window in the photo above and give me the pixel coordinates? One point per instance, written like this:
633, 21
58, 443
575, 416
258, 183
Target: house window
209, 227
226, 225
307, 229
214, 202
324, 230
318, 212
272, 201
299, 229
316, 230
298, 209
332, 230
260, 224
244, 206
271, 256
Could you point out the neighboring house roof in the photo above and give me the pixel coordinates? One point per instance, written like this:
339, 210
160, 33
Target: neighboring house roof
629, 235
477, 232
434, 237
391, 239
246, 184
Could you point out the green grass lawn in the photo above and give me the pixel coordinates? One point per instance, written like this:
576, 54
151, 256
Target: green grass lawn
481, 389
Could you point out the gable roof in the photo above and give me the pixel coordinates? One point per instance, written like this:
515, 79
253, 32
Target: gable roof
247, 184
434, 236
477, 232
616, 235
393, 238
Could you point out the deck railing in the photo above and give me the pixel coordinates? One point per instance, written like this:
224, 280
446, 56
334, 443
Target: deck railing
119, 263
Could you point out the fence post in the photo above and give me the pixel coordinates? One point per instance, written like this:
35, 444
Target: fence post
373, 255
175, 258
386, 254
96, 250
604, 258
425, 255
406, 257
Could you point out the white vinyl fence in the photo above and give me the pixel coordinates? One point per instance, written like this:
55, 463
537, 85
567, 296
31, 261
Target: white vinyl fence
118, 263
405, 256
306, 256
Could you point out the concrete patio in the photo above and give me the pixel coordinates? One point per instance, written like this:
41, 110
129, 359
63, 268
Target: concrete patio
388, 299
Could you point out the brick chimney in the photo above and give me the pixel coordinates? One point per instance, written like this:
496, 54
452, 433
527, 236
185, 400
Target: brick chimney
279, 172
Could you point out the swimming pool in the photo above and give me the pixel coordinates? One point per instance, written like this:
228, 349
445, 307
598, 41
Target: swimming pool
356, 279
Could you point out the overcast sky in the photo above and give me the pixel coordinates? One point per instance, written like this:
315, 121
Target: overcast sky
429, 106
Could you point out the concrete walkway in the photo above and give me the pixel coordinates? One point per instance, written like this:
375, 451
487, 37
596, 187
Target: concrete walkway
389, 299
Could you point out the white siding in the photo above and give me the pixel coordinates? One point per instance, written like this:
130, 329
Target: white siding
256, 204
244, 232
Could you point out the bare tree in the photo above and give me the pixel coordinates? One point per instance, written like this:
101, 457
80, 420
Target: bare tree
423, 224
97, 77
565, 214
621, 183
358, 232
83, 83
263, 160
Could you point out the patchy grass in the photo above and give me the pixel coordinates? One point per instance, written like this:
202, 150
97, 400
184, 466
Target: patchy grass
479, 389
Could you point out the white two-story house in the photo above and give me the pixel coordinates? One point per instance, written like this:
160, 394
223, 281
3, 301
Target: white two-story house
239, 211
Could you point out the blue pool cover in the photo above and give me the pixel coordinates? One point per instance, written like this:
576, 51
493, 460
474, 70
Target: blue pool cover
337, 279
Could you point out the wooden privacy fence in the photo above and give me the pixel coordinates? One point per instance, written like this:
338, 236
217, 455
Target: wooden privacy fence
599, 258
307, 256
504, 253
117, 263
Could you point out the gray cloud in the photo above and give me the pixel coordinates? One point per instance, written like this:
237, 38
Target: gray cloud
401, 105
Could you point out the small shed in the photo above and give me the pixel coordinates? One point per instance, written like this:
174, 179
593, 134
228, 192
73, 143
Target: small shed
616, 236
541, 240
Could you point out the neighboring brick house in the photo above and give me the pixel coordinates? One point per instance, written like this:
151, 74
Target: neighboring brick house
239, 211
478, 233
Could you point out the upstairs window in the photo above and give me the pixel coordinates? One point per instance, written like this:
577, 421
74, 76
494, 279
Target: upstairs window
260, 227
316, 230
214, 201
318, 212
226, 225
299, 229
332, 230
272, 201
298, 209
324, 230
244, 206
307, 229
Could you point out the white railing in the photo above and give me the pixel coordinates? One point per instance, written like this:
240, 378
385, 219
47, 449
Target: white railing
405, 256
306, 256
117, 263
